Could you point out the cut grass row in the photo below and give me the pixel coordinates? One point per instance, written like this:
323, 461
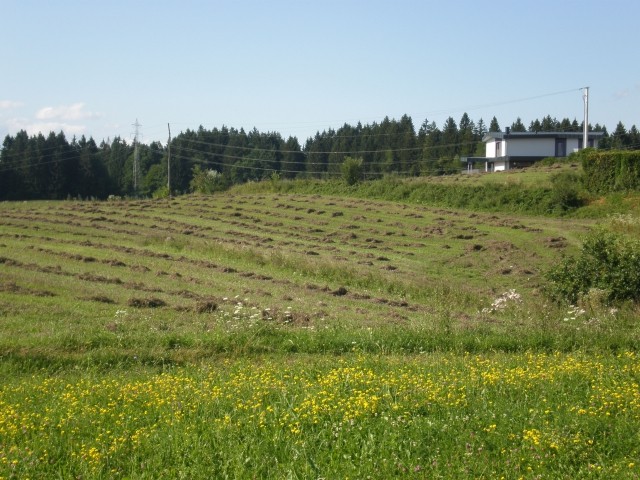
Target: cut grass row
355, 264
423, 279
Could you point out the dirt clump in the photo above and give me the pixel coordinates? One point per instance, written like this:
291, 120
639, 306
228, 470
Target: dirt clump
555, 242
146, 302
206, 306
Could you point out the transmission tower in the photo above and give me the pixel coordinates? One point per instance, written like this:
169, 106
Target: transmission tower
136, 159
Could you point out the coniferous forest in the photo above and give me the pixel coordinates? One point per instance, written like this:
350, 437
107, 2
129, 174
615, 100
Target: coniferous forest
55, 167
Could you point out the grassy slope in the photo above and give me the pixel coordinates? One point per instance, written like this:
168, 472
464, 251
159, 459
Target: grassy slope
321, 336
269, 272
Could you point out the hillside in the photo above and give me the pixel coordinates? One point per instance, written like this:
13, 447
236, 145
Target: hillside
221, 336
286, 262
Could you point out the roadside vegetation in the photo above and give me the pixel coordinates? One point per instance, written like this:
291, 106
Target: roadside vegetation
453, 328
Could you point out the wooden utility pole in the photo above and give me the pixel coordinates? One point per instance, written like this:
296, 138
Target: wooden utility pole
169, 162
136, 159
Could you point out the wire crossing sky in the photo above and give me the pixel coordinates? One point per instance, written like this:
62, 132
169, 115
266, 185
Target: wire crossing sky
298, 67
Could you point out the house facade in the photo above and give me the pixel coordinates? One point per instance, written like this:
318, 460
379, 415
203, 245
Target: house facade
506, 150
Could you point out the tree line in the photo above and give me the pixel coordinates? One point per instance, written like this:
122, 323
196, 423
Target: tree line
52, 167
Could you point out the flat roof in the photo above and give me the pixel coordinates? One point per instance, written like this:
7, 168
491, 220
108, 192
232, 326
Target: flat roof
514, 135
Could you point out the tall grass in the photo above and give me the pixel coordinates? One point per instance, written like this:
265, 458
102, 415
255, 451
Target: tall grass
487, 197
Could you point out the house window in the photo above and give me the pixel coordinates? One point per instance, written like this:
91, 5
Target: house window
561, 147
498, 148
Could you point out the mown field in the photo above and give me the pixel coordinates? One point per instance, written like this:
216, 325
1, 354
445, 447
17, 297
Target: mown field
288, 335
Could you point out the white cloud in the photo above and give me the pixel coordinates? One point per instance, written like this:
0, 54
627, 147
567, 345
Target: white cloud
33, 128
66, 112
8, 104
71, 119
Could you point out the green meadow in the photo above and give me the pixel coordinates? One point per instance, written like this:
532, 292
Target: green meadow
306, 329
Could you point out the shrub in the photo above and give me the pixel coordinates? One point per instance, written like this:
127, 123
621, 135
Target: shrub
566, 191
207, 181
607, 261
352, 170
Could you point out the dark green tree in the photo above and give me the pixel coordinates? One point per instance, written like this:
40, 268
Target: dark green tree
550, 124
450, 140
518, 126
480, 130
620, 138
154, 180
11, 178
575, 127
431, 149
634, 138
535, 126
407, 147
292, 159
317, 152
467, 136
564, 125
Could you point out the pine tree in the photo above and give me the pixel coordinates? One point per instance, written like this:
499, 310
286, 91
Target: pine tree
467, 137
450, 141
292, 159
550, 124
481, 130
494, 126
634, 138
535, 126
430, 149
619, 137
406, 145
518, 126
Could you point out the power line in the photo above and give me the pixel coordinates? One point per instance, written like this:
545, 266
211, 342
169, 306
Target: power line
73, 154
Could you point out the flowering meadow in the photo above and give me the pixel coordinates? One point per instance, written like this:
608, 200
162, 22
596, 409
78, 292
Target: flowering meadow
528, 415
304, 336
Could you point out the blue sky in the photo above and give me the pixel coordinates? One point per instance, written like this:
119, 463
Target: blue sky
297, 67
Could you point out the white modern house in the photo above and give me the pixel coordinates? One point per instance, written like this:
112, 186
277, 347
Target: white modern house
506, 150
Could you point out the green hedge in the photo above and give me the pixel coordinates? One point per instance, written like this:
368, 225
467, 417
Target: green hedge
611, 171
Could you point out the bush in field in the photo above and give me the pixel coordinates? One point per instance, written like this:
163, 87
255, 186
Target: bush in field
608, 261
567, 191
207, 181
162, 192
352, 170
